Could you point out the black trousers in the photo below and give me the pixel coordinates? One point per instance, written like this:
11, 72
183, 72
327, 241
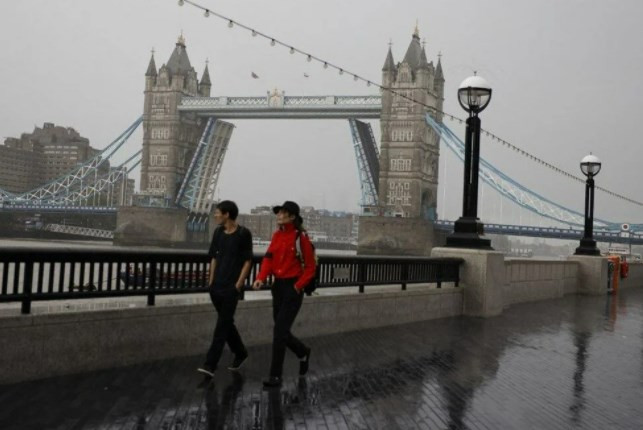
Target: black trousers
286, 303
225, 330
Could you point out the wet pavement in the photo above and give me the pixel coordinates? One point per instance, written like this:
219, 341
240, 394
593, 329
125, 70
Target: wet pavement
576, 362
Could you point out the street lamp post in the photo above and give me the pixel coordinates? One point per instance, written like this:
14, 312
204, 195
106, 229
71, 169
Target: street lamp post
590, 166
474, 95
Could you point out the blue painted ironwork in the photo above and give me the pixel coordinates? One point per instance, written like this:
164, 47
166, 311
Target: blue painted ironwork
197, 191
516, 192
366, 155
81, 183
195, 164
551, 232
15, 207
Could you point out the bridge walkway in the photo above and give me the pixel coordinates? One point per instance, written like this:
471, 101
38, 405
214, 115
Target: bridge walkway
575, 362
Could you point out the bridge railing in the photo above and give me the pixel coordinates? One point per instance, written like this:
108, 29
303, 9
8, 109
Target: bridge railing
28, 275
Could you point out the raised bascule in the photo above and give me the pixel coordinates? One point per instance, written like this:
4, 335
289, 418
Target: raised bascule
186, 134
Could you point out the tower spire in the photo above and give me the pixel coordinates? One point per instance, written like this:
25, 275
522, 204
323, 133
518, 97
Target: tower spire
416, 33
438, 70
205, 78
389, 64
151, 68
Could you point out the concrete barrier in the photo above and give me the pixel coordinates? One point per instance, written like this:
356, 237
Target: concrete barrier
40, 346
634, 278
528, 280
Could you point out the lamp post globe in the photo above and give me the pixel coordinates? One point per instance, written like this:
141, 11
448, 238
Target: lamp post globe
590, 165
474, 95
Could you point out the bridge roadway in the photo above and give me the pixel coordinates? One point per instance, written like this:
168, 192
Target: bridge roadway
277, 105
575, 362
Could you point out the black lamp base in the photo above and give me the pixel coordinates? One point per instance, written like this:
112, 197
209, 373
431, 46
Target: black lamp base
587, 247
468, 233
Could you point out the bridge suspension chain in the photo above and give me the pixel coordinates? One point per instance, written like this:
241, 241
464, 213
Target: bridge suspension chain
515, 191
343, 71
84, 182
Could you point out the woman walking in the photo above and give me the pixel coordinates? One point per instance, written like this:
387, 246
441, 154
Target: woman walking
292, 272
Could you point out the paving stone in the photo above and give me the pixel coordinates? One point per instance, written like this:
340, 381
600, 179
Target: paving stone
575, 362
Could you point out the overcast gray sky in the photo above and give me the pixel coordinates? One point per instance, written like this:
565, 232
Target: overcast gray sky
566, 76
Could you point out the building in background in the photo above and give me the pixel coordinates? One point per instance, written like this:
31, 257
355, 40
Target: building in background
42, 156
322, 225
48, 153
20, 170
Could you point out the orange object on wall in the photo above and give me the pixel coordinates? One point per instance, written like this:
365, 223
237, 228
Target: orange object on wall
616, 260
625, 269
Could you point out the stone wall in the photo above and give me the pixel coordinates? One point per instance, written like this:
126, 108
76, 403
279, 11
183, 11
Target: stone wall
379, 235
39, 346
528, 280
635, 277
147, 226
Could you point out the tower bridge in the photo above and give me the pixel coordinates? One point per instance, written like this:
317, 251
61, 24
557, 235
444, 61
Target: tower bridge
186, 136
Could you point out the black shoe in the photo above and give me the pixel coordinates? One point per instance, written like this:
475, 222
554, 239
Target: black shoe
273, 381
207, 370
303, 363
238, 362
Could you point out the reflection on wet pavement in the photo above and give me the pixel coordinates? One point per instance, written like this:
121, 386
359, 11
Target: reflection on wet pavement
570, 363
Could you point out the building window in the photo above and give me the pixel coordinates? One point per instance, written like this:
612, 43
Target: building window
401, 165
157, 182
402, 135
399, 193
160, 133
158, 159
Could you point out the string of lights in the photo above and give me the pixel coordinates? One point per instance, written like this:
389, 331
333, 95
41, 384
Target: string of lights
343, 71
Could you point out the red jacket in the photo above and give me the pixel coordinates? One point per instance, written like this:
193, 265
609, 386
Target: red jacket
281, 257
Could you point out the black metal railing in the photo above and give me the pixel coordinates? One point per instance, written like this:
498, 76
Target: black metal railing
28, 275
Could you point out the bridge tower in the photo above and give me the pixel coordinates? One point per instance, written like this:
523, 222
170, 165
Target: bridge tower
410, 148
170, 137
409, 157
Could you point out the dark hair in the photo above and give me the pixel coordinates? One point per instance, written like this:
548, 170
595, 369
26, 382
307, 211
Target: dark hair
228, 207
298, 222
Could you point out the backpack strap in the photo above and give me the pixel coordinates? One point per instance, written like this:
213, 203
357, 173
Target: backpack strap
242, 229
298, 247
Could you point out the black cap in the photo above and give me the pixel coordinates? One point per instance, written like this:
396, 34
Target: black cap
291, 207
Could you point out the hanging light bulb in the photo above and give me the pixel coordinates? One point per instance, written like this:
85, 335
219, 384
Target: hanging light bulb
254, 33
325, 65
206, 13
272, 42
368, 83
341, 71
355, 77
292, 50
309, 58
181, 2
230, 24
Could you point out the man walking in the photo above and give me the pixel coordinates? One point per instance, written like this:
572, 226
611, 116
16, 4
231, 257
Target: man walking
231, 259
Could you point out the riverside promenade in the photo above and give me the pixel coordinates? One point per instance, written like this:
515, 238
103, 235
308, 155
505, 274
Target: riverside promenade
572, 362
